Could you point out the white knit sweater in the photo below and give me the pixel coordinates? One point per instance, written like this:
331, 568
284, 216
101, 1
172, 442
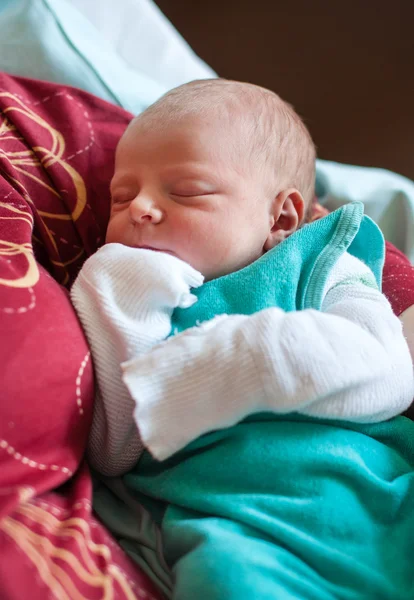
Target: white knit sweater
349, 361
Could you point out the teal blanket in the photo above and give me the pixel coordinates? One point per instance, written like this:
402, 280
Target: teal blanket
288, 508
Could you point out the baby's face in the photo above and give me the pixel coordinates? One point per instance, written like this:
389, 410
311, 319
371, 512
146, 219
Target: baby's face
179, 189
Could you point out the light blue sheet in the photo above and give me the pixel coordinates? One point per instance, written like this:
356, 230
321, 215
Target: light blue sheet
53, 41
388, 198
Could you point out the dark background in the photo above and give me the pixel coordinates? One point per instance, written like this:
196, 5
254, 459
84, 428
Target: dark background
346, 66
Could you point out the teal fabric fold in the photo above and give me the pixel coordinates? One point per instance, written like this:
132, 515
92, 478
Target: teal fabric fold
289, 508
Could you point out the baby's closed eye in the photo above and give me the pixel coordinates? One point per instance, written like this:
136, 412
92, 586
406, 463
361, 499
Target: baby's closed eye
191, 185
123, 194
188, 190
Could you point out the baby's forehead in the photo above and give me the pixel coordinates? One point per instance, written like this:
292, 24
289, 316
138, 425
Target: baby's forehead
212, 128
213, 102
241, 119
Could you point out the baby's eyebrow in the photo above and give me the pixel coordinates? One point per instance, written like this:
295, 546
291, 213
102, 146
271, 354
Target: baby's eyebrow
187, 170
200, 178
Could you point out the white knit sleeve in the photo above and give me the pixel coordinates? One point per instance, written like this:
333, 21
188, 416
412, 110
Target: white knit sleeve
349, 361
380, 351
124, 298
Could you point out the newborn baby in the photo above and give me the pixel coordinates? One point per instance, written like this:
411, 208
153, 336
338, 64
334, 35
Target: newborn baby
260, 405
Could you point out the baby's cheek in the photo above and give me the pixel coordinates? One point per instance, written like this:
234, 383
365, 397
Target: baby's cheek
206, 243
114, 230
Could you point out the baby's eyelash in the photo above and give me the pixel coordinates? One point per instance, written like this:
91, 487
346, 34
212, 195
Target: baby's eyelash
193, 195
121, 200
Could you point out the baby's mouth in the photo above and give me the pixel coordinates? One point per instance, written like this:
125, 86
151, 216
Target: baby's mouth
151, 248
157, 249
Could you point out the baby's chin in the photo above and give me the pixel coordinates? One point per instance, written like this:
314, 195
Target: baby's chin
211, 274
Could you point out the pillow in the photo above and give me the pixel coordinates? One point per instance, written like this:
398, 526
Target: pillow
52, 40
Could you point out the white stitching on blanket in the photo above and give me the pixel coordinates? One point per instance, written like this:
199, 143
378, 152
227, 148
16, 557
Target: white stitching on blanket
29, 462
408, 268
22, 309
400, 289
91, 133
79, 381
85, 114
83, 503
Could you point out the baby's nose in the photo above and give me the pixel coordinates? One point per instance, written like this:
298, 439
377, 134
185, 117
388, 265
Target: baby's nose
144, 210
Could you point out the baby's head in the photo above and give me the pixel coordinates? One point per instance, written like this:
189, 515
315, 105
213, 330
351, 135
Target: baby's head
216, 172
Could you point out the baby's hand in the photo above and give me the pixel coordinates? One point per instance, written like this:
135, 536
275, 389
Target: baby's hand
170, 279
159, 280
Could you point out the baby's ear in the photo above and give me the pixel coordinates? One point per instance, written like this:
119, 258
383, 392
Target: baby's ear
287, 213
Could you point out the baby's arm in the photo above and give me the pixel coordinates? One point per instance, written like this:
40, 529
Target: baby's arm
349, 361
387, 387
124, 298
